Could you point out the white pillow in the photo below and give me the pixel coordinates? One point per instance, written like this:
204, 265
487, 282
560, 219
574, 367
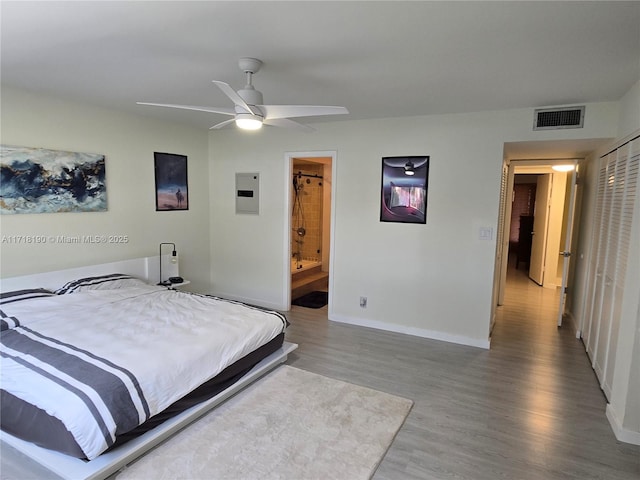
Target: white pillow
112, 281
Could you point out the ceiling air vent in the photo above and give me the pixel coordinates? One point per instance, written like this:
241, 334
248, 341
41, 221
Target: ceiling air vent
555, 118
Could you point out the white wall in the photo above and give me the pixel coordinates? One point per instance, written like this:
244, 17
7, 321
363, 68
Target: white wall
128, 143
433, 280
629, 119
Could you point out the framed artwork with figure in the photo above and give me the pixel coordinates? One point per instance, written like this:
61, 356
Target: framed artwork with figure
172, 191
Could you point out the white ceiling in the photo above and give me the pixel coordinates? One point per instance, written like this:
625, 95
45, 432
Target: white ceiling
378, 59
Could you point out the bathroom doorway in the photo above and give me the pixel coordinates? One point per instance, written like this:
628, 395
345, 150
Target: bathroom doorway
310, 219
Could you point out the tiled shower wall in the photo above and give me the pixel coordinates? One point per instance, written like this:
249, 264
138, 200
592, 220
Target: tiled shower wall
311, 199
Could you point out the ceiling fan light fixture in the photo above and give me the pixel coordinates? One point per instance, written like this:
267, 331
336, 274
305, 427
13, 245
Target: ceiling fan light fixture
250, 112
247, 121
409, 169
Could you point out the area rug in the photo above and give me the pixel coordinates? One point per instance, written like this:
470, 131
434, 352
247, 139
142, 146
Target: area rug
312, 300
291, 424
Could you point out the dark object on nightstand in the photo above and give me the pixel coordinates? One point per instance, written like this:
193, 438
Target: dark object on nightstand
176, 279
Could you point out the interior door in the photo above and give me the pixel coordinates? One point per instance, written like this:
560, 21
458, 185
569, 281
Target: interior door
504, 224
566, 253
602, 284
540, 224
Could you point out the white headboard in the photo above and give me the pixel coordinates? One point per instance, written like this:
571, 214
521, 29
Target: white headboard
146, 268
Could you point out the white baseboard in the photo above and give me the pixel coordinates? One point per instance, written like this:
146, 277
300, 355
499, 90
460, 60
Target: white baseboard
417, 332
572, 321
621, 433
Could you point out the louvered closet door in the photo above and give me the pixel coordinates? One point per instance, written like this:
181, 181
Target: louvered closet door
607, 340
629, 156
589, 330
605, 187
615, 200
502, 254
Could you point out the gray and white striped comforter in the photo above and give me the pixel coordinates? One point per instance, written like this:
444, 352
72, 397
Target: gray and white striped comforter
103, 362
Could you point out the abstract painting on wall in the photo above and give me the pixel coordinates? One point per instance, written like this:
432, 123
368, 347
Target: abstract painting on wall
37, 180
404, 189
171, 181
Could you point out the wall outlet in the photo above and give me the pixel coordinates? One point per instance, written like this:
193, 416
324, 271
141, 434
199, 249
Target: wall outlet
363, 302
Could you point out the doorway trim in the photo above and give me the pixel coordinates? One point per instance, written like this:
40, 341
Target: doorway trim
288, 169
534, 166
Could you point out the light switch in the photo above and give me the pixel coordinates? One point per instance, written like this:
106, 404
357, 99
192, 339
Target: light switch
485, 233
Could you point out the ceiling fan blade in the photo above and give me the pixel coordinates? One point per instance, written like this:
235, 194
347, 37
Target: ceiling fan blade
292, 111
286, 123
233, 95
222, 110
222, 124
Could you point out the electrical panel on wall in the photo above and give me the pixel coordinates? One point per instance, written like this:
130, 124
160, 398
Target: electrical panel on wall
248, 193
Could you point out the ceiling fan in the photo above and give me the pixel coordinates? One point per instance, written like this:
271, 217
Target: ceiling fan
249, 111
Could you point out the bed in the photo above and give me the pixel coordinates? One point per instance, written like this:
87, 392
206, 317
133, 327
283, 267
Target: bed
124, 364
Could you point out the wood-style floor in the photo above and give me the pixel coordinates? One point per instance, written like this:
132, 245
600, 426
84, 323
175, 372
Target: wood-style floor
528, 408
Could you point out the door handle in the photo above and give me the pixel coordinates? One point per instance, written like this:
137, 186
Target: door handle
565, 254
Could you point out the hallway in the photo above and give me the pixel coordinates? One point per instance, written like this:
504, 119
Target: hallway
529, 408
529, 313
